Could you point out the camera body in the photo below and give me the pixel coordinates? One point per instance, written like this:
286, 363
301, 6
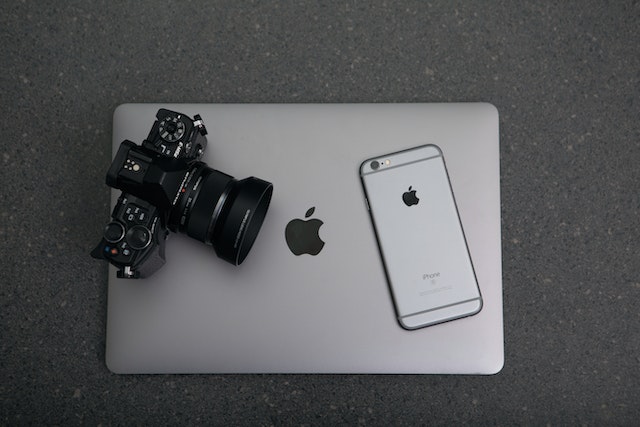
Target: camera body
165, 187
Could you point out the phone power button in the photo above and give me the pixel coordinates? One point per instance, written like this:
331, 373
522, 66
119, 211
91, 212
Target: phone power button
366, 202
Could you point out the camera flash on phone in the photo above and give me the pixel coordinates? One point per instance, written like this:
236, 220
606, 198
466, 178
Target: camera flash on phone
387, 162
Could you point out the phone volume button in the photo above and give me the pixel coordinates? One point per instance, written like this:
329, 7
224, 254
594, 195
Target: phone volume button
366, 202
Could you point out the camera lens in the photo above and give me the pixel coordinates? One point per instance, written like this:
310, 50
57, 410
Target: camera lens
375, 165
224, 212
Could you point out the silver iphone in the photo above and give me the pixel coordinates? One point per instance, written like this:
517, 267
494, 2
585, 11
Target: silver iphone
420, 237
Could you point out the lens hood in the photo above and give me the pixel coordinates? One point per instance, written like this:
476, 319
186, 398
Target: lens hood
226, 213
245, 209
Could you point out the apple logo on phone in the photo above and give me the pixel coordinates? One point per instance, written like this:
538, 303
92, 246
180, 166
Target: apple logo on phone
303, 236
409, 197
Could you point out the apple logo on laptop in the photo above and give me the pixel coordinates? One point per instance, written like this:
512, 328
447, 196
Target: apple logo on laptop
303, 236
409, 197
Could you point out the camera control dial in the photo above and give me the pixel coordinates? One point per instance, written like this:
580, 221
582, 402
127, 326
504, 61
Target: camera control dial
138, 237
113, 232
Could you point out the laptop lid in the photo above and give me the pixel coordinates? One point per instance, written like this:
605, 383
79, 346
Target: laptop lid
331, 312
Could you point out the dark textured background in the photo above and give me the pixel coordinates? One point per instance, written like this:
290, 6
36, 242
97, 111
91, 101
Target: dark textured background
565, 78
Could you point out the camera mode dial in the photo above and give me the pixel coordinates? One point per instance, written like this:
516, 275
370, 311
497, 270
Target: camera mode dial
171, 129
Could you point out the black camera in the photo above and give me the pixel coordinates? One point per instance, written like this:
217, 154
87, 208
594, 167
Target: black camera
165, 187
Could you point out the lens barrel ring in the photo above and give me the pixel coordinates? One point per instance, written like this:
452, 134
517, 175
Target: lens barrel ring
208, 200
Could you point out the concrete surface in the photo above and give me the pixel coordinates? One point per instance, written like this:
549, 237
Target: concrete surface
565, 77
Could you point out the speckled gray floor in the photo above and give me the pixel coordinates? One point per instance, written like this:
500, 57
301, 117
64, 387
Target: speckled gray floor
565, 77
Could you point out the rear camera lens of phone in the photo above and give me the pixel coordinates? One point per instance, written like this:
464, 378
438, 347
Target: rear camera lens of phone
375, 165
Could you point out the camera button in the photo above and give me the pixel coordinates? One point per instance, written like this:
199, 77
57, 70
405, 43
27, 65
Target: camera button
138, 237
108, 250
135, 214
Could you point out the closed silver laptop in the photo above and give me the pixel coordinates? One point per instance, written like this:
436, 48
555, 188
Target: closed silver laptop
320, 307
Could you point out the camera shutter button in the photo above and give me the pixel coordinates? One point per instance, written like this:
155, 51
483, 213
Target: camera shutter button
113, 232
138, 237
